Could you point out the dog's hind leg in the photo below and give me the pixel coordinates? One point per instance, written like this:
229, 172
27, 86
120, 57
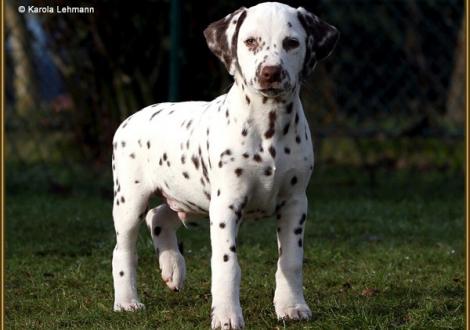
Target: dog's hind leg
127, 210
163, 223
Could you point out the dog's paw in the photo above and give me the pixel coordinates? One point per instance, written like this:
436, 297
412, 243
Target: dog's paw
173, 269
132, 306
226, 317
295, 312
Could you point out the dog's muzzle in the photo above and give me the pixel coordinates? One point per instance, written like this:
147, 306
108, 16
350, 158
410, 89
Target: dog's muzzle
270, 79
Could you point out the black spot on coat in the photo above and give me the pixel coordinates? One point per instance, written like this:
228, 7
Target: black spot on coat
293, 181
272, 151
303, 218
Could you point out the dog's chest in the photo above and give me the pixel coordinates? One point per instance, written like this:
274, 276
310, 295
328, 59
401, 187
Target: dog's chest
271, 151
266, 179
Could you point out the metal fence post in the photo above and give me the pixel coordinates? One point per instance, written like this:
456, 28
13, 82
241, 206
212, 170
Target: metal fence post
175, 49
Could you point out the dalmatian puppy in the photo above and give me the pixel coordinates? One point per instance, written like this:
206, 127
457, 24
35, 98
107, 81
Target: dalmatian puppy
246, 154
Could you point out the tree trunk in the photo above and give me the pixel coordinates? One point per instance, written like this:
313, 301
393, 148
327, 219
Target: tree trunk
456, 95
23, 70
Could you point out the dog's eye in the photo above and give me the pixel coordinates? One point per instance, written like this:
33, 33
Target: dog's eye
290, 43
251, 42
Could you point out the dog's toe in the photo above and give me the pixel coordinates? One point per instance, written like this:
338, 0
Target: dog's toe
173, 269
131, 306
227, 318
296, 312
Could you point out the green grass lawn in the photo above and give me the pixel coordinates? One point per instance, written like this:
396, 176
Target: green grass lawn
375, 258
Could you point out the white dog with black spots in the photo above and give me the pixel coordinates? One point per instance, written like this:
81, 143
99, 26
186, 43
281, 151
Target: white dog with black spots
246, 154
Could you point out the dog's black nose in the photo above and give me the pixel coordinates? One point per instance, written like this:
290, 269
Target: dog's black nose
270, 74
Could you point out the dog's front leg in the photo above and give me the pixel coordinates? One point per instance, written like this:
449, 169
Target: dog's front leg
225, 216
289, 299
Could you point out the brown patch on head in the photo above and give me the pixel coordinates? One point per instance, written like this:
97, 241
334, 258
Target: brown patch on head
235, 39
218, 42
253, 45
320, 40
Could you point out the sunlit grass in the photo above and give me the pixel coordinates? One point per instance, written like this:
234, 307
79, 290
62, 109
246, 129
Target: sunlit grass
375, 257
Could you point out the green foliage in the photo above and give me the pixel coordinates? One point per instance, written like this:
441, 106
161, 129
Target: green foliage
393, 64
382, 257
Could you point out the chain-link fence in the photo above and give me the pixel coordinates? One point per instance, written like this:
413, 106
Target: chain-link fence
391, 94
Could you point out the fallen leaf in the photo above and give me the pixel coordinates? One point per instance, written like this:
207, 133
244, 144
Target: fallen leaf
369, 292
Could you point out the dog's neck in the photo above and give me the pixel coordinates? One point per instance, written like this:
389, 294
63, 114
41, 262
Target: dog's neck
269, 117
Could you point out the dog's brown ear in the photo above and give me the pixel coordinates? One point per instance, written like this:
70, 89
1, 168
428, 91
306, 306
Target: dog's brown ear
321, 39
222, 35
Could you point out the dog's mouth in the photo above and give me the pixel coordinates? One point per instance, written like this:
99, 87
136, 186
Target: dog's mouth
271, 92
275, 89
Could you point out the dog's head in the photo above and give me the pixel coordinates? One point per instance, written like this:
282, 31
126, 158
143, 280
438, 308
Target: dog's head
271, 46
